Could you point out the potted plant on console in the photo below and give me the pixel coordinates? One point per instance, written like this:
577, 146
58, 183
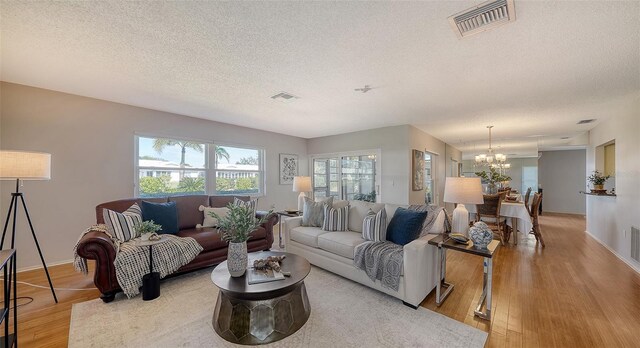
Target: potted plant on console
493, 177
598, 179
236, 228
147, 229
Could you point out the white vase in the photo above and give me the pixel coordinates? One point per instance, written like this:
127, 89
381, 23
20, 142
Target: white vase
237, 259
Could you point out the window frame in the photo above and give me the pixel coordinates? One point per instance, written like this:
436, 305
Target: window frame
209, 168
433, 176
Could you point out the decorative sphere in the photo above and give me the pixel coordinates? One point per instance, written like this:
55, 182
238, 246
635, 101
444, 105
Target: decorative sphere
481, 235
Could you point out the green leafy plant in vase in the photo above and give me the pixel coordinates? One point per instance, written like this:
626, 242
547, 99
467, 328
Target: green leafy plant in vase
598, 179
147, 229
235, 228
492, 178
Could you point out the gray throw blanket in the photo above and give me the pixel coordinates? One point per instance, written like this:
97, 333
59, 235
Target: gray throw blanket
432, 215
381, 261
132, 262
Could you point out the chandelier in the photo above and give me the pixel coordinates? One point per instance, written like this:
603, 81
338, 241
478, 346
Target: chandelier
490, 159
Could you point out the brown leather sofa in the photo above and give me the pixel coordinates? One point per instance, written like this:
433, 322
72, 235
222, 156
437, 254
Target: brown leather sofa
99, 247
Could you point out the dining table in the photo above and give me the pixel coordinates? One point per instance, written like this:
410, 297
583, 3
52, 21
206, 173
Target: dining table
517, 215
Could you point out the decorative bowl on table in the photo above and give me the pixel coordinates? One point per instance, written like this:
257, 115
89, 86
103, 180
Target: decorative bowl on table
481, 235
291, 211
511, 198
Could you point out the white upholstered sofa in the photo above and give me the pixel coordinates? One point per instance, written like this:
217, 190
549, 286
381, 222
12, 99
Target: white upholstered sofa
334, 251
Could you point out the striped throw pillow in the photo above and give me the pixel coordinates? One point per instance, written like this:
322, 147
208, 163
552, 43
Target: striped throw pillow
374, 224
252, 204
335, 219
122, 225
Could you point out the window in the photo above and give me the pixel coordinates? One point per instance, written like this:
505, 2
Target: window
170, 167
238, 170
349, 176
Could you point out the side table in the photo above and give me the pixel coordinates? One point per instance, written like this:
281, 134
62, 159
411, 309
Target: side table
151, 280
443, 242
282, 214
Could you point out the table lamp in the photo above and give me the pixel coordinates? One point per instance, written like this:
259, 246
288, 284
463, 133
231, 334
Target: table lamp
462, 191
24, 165
301, 184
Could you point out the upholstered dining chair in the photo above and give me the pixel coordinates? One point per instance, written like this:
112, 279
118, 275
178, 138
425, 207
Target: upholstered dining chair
489, 213
526, 200
535, 205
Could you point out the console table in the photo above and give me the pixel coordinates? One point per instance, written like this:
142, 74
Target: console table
443, 242
9, 265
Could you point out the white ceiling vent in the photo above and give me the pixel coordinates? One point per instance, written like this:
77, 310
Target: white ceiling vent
483, 17
284, 97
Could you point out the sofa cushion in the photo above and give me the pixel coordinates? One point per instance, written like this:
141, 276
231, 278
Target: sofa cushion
122, 225
374, 225
188, 213
209, 220
209, 238
163, 214
405, 226
251, 204
313, 212
340, 243
335, 219
307, 235
390, 210
223, 201
358, 210
122, 205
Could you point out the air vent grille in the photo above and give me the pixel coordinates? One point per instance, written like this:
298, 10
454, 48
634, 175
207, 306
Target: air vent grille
284, 97
483, 17
635, 243
586, 121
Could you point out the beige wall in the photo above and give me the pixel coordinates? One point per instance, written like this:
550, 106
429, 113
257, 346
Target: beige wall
609, 219
92, 144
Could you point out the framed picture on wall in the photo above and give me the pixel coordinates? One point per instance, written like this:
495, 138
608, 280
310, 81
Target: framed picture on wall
417, 170
288, 168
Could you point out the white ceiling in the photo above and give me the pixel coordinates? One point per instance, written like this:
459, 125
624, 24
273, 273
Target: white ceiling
533, 79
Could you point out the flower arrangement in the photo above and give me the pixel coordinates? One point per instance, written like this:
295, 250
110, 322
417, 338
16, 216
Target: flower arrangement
237, 225
597, 178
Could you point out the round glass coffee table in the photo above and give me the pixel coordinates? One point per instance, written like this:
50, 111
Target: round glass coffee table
261, 313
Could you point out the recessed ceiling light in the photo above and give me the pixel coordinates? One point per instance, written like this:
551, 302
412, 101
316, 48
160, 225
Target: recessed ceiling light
586, 121
284, 97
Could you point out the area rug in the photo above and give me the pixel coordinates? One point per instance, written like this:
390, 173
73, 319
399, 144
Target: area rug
343, 314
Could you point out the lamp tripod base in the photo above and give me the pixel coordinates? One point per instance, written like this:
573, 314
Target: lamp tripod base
13, 208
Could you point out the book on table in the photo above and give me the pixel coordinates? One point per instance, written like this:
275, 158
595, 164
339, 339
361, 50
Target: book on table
255, 276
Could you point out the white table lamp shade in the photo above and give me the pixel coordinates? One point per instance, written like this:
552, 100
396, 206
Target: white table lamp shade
25, 165
301, 184
463, 190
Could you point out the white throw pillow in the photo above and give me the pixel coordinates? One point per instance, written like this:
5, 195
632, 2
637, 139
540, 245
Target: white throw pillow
210, 221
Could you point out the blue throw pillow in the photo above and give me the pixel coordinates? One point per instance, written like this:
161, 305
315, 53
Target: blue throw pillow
405, 226
163, 214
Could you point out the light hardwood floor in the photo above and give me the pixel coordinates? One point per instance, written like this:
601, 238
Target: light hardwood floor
572, 293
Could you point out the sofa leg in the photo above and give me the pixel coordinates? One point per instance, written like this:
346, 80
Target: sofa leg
409, 305
108, 297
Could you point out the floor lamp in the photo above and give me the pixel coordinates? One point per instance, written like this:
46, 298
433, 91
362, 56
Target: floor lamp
23, 165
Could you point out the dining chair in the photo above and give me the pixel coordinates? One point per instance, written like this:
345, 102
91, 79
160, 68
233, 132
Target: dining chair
526, 200
489, 213
535, 204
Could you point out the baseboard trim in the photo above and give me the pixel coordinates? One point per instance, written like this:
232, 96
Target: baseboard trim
627, 262
51, 264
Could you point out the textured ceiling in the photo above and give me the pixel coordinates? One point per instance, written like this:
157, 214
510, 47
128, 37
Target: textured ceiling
557, 63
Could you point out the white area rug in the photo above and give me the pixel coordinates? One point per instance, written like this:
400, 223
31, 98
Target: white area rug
343, 314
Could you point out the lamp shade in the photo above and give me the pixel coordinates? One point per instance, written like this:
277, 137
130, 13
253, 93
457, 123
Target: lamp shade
301, 184
463, 190
25, 165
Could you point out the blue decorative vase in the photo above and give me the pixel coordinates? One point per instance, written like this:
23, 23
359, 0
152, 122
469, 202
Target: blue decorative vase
481, 235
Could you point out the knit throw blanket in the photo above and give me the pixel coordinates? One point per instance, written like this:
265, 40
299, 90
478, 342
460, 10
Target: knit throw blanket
432, 215
132, 262
381, 261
